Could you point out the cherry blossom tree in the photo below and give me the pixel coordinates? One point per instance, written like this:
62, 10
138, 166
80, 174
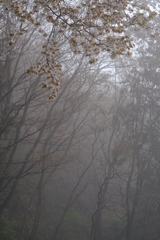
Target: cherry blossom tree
90, 27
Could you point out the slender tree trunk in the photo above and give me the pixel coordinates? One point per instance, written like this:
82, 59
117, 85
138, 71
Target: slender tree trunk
39, 203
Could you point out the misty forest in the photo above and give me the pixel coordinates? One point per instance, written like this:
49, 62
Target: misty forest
79, 120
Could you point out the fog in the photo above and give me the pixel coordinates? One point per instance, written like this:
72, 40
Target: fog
82, 162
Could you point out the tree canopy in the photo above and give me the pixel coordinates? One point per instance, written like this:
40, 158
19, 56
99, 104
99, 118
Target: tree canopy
90, 28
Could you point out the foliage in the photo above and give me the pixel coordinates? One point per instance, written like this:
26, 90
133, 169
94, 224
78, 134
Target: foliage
73, 226
91, 27
112, 224
6, 230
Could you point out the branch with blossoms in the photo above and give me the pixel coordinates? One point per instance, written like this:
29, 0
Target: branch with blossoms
90, 27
